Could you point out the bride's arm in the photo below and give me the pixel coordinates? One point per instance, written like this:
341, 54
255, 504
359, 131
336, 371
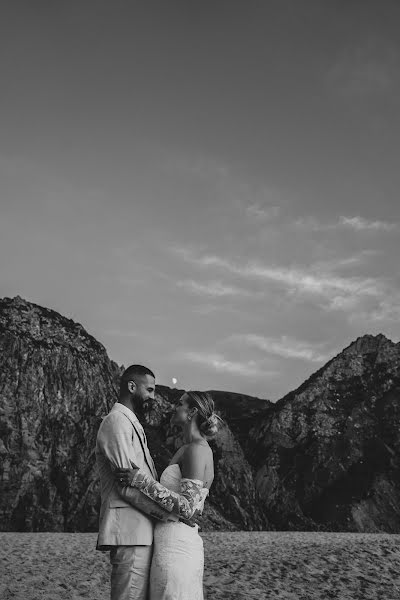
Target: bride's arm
183, 503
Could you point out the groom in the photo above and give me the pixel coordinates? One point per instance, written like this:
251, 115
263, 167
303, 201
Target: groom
126, 530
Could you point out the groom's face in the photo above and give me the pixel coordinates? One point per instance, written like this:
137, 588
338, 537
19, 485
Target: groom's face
144, 390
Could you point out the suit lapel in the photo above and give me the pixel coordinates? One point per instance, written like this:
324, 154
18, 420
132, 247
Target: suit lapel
146, 451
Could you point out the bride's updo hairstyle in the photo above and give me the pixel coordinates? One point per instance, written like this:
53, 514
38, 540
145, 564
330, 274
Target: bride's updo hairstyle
207, 420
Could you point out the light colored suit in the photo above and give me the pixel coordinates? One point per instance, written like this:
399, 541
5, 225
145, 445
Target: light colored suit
120, 439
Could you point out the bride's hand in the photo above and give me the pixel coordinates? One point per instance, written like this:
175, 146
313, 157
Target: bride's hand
125, 476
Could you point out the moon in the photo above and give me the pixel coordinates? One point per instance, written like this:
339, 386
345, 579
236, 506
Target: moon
174, 381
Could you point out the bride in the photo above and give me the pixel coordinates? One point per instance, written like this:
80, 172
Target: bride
178, 556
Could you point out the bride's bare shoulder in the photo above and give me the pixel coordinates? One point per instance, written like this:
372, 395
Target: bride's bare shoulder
178, 455
197, 461
195, 452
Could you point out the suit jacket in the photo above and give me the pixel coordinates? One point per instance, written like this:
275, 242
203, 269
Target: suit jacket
121, 439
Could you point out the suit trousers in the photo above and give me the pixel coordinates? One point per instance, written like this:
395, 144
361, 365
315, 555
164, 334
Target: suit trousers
130, 572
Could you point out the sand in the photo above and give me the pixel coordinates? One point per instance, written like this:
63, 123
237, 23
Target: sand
243, 565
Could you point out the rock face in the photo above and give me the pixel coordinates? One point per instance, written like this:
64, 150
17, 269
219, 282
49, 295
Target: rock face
324, 457
328, 454
56, 383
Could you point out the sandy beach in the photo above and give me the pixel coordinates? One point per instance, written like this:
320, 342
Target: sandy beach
240, 565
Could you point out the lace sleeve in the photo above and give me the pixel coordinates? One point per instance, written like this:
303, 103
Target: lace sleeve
183, 504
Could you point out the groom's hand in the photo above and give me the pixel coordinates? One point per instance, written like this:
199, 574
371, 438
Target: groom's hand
125, 476
193, 519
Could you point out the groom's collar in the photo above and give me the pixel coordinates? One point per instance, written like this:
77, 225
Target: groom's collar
127, 411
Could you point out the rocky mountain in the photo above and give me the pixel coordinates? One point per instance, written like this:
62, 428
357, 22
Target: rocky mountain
327, 455
56, 382
324, 457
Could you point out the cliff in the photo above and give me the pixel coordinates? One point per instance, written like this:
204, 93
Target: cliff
327, 454
56, 382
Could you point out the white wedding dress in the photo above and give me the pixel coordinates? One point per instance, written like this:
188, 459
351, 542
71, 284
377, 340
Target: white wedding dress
178, 556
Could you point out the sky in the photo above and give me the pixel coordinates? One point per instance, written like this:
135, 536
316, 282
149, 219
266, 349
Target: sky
210, 188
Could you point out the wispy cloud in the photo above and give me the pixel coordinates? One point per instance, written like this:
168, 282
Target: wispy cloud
262, 213
311, 281
353, 260
356, 223
361, 224
212, 288
284, 346
220, 363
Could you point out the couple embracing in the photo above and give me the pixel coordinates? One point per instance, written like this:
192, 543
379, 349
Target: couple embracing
149, 527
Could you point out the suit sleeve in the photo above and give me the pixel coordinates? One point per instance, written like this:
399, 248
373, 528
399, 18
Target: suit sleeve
183, 504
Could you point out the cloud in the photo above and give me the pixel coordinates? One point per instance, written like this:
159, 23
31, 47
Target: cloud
212, 288
218, 362
312, 281
347, 261
361, 224
285, 346
321, 283
356, 223
259, 212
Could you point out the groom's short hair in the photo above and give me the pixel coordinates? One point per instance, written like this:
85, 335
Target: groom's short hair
131, 373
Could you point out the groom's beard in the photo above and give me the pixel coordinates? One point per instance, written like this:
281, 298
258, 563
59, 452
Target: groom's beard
139, 408
146, 406
153, 413
145, 411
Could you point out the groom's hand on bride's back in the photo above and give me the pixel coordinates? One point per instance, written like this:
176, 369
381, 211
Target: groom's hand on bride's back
193, 519
125, 476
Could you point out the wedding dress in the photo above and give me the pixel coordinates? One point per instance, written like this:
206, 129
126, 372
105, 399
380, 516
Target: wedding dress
178, 556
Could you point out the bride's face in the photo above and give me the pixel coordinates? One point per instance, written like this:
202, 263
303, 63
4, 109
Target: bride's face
182, 411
